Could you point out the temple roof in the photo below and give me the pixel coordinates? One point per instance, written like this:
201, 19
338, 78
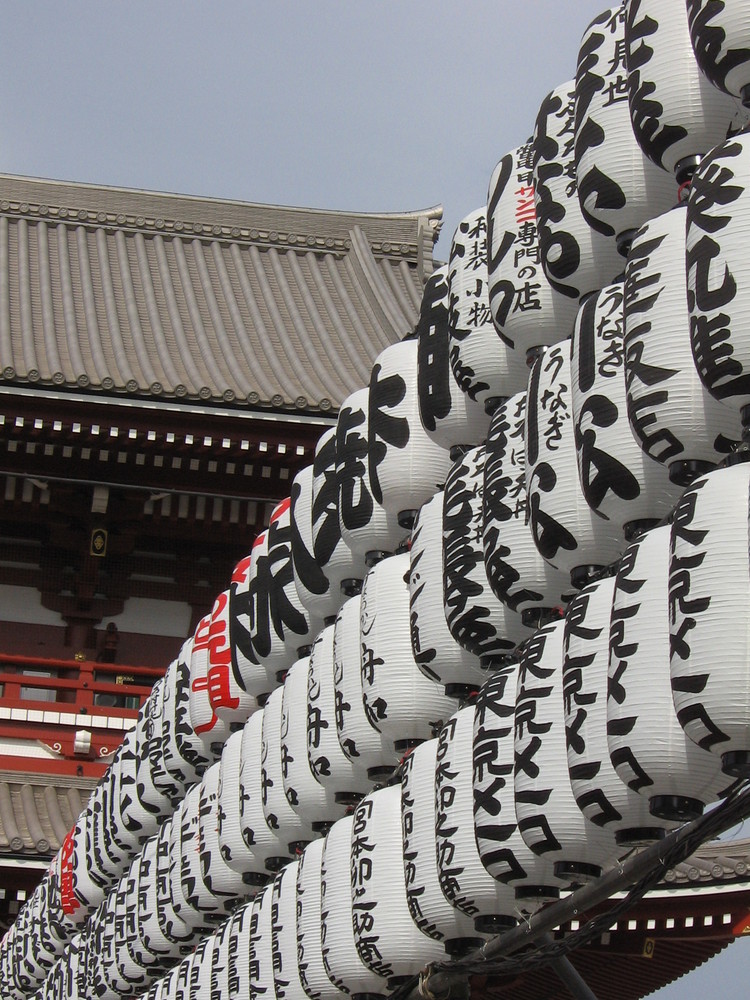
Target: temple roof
36, 813
128, 293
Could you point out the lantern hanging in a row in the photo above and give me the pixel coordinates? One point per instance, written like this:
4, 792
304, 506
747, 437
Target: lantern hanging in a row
437, 653
191, 897
341, 959
170, 924
238, 960
566, 530
360, 740
449, 416
476, 618
619, 480
528, 311
220, 960
365, 525
150, 929
213, 730
227, 696
234, 851
648, 747
677, 115
163, 781
284, 934
720, 33
709, 583
183, 753
675, 418
619, 188
219, 879
465, 880
319, 598
405, 466
516, 572
259, 944
271, 656
430, 909
400, 701
576, 259
245, 667
486, 369
291, 626
312, 973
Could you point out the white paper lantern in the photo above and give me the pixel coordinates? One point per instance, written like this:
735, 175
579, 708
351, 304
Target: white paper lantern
576, 259
220, 961
476, 618
399, 700
366, 528
266, 851
320, 598
219, 879
191, 898
387, 939
718, 222
437, 653
234, 851
618, 187
362, 743
709, 582
619, 480
485, 367
516, 572
150, 930
292, 828
200, 969
677, 115
648, 747
464, 879
286, 978
549, 818
238, 964
231, 702
312, 973
340, 776
602, 797
245, 665
292, 627
341, 960
404, 465
673, 415
213, 730
528, 312
183, 753
449, 416
171, 926
430, 909
259, 945
315, 803
566, 530
720, 33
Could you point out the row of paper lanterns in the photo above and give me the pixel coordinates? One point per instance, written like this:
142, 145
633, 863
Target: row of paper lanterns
548, 476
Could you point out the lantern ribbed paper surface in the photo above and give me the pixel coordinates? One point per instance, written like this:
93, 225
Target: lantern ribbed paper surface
290, 826
399, 700
171, 926
429, 907
286, 979
619, 480
602, 797
677, 115
238, 964
330, 551
220, 961
312, 973
318, 595
648, 747
465, 881
566, 530
718, 224
259, 946
365, 525
245, 667
184, 753
484, 366
437, 653
217, 876
449, 416
720, 33
200, 969
267, 848
341, 960
359, 739
163, 781
386, 937
290, 627
198, 897
526, 309
315, 803
228, 698
405, 466
549, 818
673, 415
476, 618
151, 933
343, 779
204, 720
709, 582
232, 846
618, 187
516, 572
576, 259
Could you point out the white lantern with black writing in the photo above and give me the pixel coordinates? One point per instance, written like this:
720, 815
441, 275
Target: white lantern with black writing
649, 749
184, 754
284, 934
673, 415
267, 849
486, 369
566, 530
259, 945
312, 973
319, 597
293, 629
245, 665
528, 311
220, 880
234, 851
293, 829
709, 582
619, 188
227, 696
203, 718
720, 33
517, 574
576, 258
400, 701
437, 653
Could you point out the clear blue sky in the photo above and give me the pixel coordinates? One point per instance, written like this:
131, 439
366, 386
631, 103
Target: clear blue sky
375, 105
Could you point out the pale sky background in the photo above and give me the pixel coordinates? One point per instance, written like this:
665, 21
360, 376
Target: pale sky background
369, 105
